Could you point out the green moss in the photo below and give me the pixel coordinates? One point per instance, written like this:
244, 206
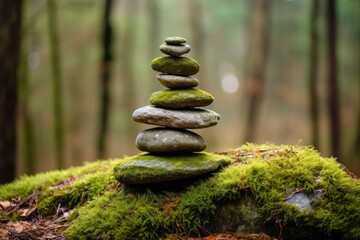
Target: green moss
148, 168
65, 188
183, 66
181, 98
85, 188
124, 214
25, 185
113, 211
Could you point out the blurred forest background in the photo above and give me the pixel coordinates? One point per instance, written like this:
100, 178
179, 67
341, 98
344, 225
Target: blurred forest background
281, 71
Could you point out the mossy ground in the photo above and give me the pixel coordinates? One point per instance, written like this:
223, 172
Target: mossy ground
106, 209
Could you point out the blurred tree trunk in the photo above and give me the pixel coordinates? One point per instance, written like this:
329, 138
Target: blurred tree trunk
333, 91
198, 38
198, 52
257, 63
355, 153
105, 68
10, 25
153, 13
127, 70
28, 136
313, 69
357, 137
57, 86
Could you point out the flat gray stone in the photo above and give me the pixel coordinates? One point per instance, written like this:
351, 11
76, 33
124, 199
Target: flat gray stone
174, 50
176, 81
149, 168
168, 140
182, 66
188, 119
181, 98
175, 40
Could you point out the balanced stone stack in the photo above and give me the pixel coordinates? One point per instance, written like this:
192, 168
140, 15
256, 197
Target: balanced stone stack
176, 108
173, 151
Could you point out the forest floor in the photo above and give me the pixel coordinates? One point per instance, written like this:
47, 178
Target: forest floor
22, 217
28, 223
35, 226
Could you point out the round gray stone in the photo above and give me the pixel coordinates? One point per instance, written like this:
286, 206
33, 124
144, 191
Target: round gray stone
149, 168
167, 140
177, 82
183, 66
188, 118
174, 50
175, 40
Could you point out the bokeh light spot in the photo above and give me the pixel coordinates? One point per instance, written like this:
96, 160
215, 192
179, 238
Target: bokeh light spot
230, 83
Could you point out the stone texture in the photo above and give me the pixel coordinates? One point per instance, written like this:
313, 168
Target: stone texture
149, 168
183, 66
187, 119
305, 202
175, 40
167, 140
183, 98
174, 50
176, 81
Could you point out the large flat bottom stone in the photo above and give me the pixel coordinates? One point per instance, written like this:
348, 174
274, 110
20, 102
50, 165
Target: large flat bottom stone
148, 168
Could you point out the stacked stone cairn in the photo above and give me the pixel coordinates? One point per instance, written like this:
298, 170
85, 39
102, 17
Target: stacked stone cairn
172, 151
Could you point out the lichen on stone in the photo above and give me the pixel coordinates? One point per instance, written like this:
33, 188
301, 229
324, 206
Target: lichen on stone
183, 66
148, 168
183, 98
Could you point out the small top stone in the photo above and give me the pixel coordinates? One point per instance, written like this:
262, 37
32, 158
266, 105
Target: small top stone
175, 40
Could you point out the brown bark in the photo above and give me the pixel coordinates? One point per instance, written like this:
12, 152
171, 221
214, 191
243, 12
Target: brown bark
10, 25
25, 119
257, 63
333, 91
313, 69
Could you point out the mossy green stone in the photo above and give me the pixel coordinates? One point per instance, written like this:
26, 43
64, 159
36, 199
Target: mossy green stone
183, 66
147, 168
181, 98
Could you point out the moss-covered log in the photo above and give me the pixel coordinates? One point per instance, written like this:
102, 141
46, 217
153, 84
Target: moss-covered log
287, 192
